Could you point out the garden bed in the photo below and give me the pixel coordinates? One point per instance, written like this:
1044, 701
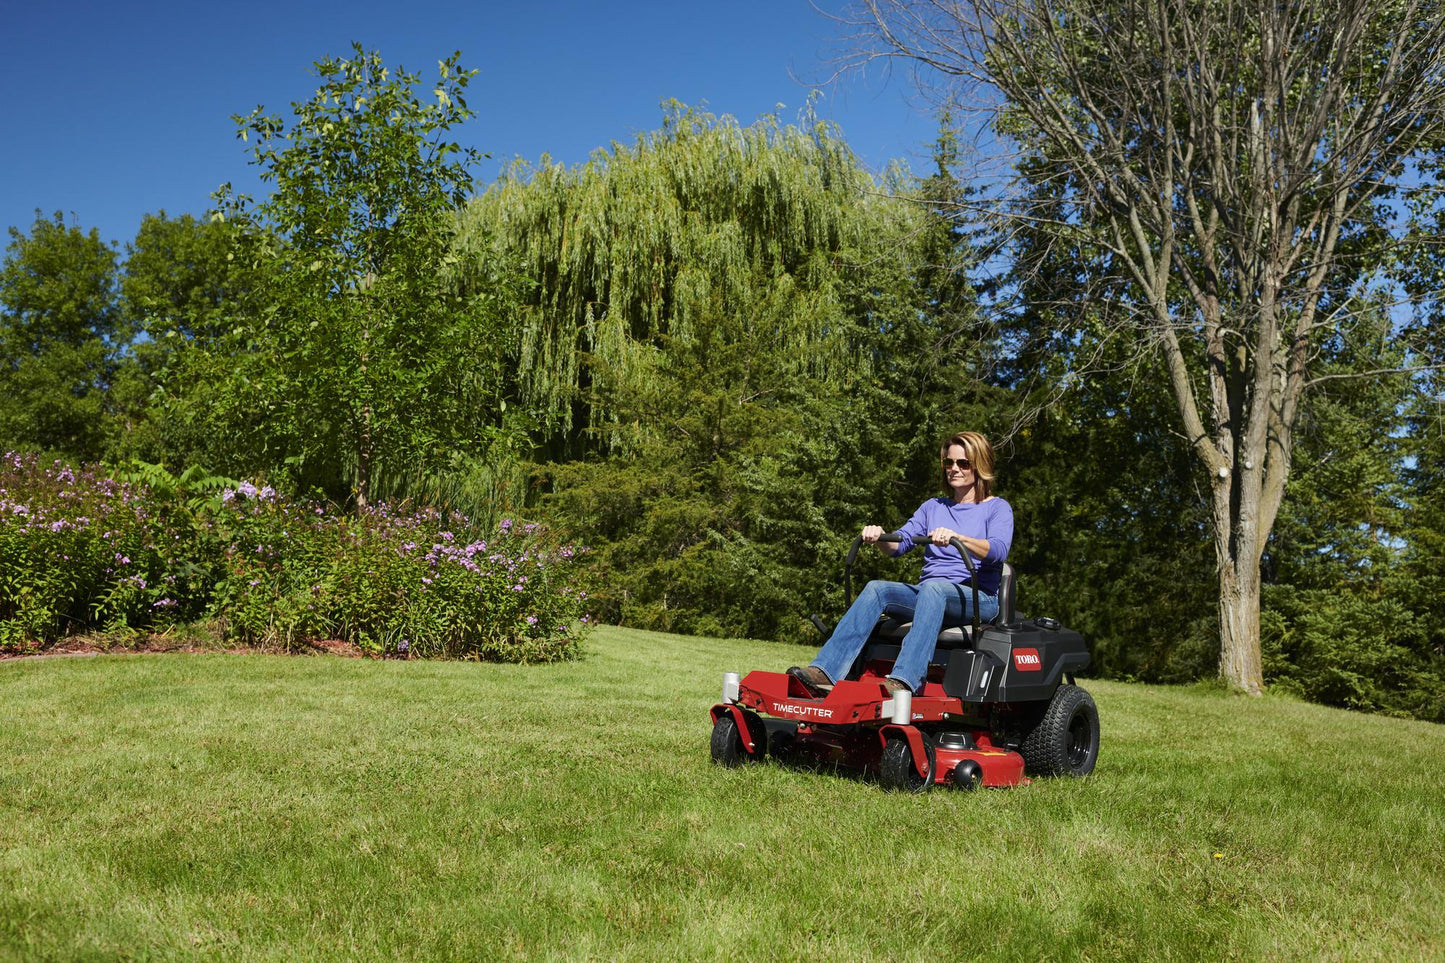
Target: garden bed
85, 552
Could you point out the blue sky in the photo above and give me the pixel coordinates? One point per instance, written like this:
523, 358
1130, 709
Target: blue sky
114, 110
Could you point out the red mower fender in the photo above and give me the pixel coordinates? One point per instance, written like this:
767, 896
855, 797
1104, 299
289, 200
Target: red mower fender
749, 723
915, 745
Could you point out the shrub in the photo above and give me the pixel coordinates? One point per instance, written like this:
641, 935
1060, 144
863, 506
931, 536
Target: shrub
396, 580
84, 550
81, 550
1354, 649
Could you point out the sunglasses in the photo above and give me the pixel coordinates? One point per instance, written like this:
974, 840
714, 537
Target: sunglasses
962, 463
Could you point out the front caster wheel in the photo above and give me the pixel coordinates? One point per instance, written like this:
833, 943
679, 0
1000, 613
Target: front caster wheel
896, 770
727, 744
780, 746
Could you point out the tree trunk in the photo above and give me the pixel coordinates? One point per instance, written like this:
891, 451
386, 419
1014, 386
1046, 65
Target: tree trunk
363, 458
1239, 655
365, 447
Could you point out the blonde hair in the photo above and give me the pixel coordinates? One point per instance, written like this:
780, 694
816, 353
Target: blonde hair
979, 454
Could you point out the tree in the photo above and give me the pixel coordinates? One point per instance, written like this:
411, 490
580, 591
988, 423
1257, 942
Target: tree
181, 289
1220, 170
720, 315
649, 244
59, 338
364, 355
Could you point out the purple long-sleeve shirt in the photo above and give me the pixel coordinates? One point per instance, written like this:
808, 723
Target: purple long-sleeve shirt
992, 519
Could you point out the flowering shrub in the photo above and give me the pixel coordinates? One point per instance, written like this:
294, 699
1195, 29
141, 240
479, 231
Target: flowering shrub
79, 550
396, 581
84, 550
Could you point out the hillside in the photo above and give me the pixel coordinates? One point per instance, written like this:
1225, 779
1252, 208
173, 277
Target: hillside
196, 805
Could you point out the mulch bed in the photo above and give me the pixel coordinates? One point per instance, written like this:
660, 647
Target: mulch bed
164, 644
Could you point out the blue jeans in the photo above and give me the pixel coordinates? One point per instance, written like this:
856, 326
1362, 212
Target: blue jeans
931, 606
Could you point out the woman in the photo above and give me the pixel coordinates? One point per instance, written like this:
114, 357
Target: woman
983, 522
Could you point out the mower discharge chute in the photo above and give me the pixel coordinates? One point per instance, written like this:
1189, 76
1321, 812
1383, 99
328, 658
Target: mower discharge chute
999, 704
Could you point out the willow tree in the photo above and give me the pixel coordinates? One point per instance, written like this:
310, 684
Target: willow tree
711, 322
702, 229
1221, 169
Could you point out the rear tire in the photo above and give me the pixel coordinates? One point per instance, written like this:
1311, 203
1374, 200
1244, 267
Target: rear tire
896, 770
727, 744
1066, 740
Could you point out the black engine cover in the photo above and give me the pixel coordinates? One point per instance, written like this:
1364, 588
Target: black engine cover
1015, 663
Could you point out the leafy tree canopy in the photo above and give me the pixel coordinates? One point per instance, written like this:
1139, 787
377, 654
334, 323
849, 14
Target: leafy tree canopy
363, 359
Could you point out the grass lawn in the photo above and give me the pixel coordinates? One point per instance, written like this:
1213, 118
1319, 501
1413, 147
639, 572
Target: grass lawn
200, 806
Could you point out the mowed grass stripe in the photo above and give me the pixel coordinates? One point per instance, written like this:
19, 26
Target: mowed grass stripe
265, 807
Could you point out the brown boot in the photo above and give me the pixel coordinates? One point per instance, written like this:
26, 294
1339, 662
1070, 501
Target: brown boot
812, 679
892, 685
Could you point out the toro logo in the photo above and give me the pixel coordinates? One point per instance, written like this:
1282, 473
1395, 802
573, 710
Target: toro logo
1027, 660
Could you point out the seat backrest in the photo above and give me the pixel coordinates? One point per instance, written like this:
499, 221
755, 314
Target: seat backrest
1007, 611
1007, 597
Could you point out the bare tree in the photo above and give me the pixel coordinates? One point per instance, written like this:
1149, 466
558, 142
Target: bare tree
1231, 161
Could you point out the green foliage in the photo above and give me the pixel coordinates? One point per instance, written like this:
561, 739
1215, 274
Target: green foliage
59, 334
728, 326
364, 356
1352, 649
80, 550
181, 287
651, 247
1112, 536
1346, 621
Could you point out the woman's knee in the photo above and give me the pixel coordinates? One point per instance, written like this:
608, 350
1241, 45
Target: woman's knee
874, 589
936, 589
937, 595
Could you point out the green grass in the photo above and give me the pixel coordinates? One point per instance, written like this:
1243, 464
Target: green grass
203, 806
